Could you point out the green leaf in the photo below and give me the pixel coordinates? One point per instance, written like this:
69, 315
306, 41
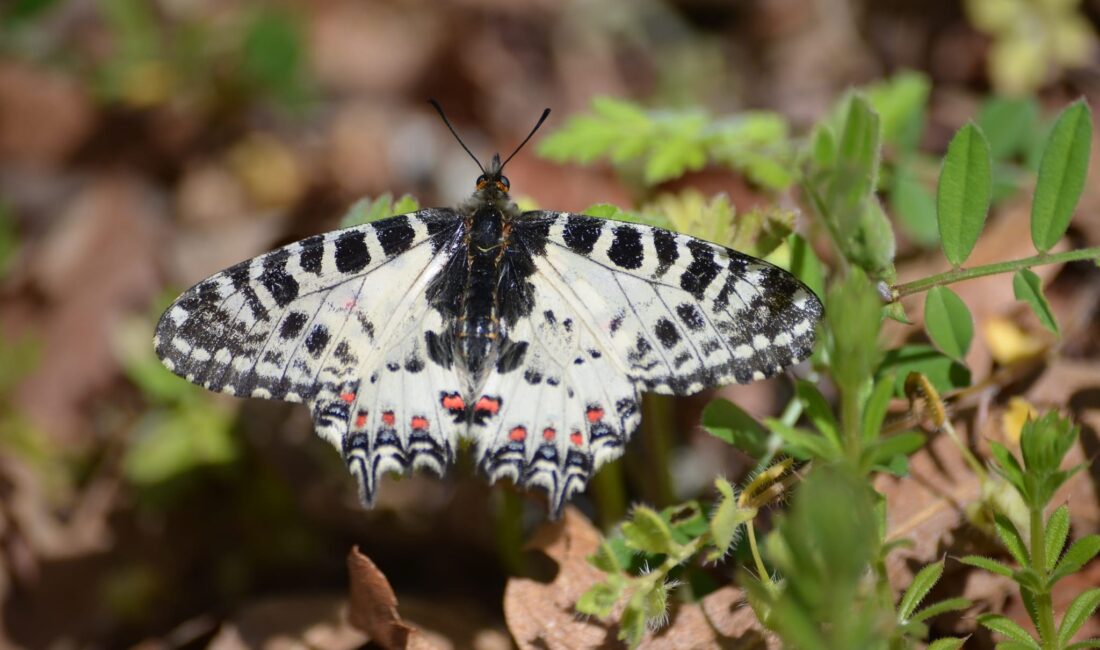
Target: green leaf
632, 625
803, 444
1062, 174
1077, 613
922, 583
805, 264
1057, 530
674, 158
656, 603
965, 189
605, 559
915, 208
1029, 288
601, 597
1008, 123
884, 450
366, 210
726, 522
1007, 466
726, 421
944, 373
647, 531
935, 609
818, 410
874, 411
1010, 537
1007, 627
1078, 554
987, 564
948, 322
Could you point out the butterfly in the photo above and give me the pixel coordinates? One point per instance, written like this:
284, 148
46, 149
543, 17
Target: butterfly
529, 333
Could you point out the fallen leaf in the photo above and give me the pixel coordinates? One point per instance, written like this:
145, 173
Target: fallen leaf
288, 623
373, 608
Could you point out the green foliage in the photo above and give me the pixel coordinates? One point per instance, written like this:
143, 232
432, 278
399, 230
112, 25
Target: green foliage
183, 430
1027, 287
366, 210
831, 540
948, 322
9, 240
656, 146
1044, 443
1062, 174
965, 190
261, 56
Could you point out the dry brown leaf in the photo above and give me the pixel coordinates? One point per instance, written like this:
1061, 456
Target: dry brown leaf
289, 623
373, 608
926, 507
542, 615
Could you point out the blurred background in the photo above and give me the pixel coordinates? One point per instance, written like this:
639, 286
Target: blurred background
146, 144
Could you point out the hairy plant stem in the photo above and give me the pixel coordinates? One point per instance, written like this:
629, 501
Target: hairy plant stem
960, 275
1043, 602
765, 579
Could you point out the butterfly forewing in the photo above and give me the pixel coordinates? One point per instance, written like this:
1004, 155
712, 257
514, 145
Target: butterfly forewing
680, 314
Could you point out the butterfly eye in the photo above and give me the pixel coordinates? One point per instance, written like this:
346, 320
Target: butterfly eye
503, 184
481, 182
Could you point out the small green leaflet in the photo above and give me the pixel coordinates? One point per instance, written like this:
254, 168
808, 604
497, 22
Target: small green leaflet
948, 322
1061, 175
964, 193
1029, 288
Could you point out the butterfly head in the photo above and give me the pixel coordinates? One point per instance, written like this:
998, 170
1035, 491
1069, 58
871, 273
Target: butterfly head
492, 181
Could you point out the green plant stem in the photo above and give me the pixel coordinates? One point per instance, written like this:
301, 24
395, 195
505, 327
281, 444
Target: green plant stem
658, 418
960, 275
1043, 601
765, 579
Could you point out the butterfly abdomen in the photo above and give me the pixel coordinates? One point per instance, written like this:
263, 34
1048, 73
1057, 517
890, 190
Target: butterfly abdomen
477, 328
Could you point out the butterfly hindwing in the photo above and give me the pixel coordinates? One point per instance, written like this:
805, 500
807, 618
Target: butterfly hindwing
551, 416
680, 313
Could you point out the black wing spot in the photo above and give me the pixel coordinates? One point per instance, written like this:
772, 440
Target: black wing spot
292, 325
440, 349
532, 376
702, 270
351, 251
626, 249
313, 251
511, 356
281, 285
690, 316
317, 340
667, 333
395, 235
414, 364
581, 232
667, 251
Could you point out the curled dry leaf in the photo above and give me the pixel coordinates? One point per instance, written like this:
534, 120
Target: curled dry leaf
373, 608
542, 615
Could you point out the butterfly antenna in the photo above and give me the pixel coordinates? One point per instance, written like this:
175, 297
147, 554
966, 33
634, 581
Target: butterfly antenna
545, 114
439, 109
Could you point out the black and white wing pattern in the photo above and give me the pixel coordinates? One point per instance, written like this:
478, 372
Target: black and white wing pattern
616, 309
338, 321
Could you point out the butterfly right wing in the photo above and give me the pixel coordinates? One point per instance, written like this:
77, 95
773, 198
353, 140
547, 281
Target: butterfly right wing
323, 321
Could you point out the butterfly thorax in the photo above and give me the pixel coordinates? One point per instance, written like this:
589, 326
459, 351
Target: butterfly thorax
477, 330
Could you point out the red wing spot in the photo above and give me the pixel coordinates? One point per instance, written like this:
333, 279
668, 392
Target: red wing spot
518, 434
576, 438
348, 397
388, 419
594, 414
548, 434
361, 420
453, 402
419, 422
488, 404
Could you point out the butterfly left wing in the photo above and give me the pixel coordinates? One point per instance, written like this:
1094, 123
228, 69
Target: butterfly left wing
340, 321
